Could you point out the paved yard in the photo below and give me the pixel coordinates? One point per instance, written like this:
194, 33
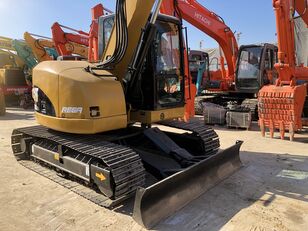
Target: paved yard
270, 192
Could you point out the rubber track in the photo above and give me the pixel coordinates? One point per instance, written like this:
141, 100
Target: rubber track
198, 128
74, 186
123, 162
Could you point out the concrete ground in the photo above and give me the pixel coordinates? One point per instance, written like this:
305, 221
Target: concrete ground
270, 191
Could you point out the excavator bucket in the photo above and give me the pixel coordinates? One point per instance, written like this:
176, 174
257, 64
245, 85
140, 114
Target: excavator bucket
280, 107
162, 199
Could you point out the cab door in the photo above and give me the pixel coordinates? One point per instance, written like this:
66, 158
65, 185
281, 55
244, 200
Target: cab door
268, 73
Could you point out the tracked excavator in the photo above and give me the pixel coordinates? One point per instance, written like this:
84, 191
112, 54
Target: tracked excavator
248, 68
282, 103
9, 60
111, 130
15, 59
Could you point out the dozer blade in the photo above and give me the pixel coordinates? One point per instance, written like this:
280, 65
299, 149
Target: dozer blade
164, 198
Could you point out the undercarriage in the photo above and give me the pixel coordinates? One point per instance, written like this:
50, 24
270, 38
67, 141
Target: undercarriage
110, 167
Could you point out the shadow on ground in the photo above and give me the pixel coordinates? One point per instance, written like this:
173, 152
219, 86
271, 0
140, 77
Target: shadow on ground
18, 114
262, 178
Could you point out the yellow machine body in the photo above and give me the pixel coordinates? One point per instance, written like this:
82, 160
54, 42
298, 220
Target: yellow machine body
83, 98
73, 91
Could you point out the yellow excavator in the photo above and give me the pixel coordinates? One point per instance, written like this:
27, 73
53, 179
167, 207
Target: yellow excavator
110, 131
8, 59
7, 55
15, 59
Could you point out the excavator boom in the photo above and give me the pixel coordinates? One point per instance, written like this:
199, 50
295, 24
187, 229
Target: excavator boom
42, 47
281, 105
81, 43
61, 39
25, 52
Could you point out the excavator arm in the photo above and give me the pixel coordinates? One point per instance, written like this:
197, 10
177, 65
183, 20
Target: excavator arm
19, 50
302, 9
79, 37
285, 11
25, 53
42, 48
281, 105
61, 39
6, 43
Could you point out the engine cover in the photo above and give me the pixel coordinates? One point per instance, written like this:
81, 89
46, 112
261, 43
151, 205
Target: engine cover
80, 101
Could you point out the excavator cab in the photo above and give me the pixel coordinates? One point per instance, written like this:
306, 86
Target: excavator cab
162, 81
255, 67
196, 60
199, 69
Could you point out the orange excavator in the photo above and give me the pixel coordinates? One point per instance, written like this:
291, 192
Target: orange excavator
90, 40
212, 25
281, 105
249, 67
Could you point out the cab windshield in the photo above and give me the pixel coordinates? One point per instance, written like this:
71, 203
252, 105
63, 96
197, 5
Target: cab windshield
249, 63
168, 64
168, 58
104, 32
195, 61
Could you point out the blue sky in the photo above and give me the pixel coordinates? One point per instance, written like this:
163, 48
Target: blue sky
254, 19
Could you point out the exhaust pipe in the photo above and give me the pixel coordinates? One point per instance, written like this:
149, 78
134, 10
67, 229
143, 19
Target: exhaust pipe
164, 198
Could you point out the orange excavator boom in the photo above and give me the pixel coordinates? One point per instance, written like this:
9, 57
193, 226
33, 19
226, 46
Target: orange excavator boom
281, 105
89, 40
